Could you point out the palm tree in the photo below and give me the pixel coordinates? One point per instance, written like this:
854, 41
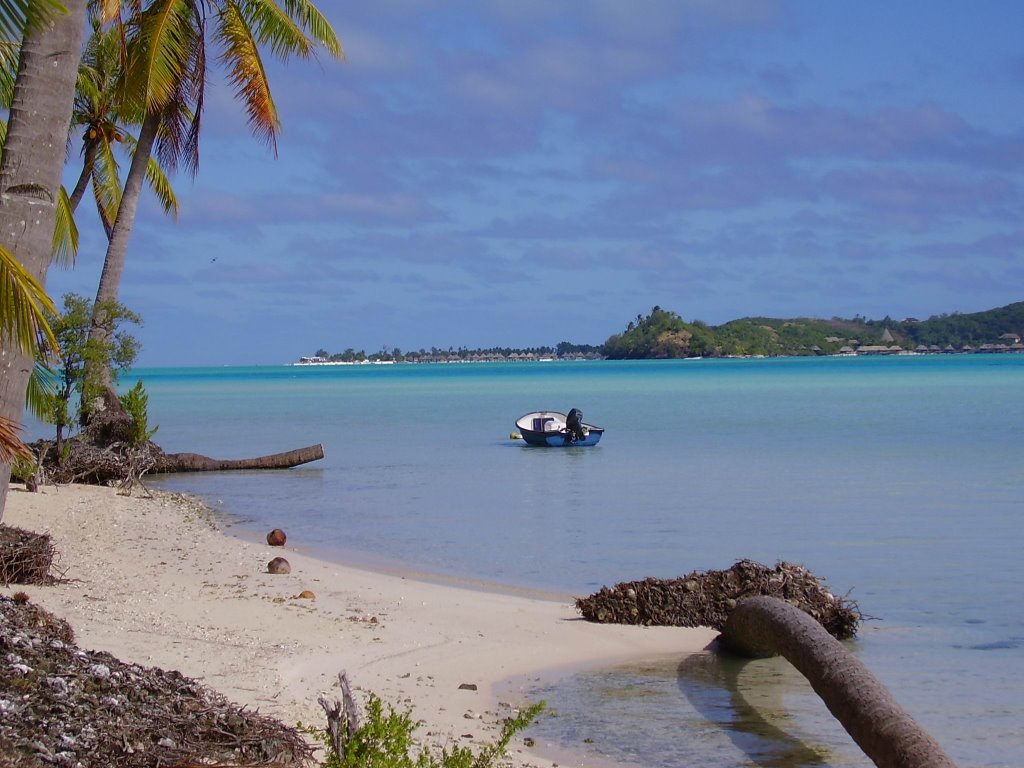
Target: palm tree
165, 80
763, 626
31, 166
104, 126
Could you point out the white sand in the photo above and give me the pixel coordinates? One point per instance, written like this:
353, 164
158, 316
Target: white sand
153, 582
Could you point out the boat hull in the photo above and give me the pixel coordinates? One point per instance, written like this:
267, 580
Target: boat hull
547, 429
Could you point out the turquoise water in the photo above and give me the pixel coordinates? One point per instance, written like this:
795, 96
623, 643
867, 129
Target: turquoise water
898, 480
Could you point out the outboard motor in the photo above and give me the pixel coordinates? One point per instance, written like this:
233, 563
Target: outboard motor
574, 424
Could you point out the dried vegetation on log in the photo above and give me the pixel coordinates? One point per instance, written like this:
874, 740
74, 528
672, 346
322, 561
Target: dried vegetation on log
61, 705
705, 599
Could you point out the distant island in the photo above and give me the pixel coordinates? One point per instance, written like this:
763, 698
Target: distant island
665, 335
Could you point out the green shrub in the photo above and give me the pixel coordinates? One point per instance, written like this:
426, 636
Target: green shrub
385, 740
136, 403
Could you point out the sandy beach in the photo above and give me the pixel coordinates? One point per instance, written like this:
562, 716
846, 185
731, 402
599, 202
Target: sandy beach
156, 582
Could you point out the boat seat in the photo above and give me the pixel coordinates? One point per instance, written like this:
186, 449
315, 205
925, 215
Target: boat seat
547, 424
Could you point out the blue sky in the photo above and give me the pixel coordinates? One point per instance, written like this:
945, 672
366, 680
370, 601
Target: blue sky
520, 173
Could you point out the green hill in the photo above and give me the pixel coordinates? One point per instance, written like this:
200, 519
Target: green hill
664, 334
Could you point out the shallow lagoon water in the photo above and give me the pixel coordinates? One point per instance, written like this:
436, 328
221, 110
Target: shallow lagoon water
899, 481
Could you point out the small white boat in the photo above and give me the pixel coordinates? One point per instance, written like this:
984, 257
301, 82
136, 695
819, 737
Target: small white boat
558, 430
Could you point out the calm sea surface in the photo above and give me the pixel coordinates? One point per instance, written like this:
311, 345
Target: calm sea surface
899, 480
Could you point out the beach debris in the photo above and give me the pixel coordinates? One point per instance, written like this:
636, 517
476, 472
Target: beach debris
467, 687
26, 557
343, 716
279, 565
87, 708
705, 599
305, 594
276, 538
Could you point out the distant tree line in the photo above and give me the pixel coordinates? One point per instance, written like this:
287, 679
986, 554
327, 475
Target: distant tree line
563, 351
959, 329
664, 334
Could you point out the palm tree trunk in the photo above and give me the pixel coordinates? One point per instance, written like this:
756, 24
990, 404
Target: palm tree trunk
92, 151
88, 162
194, 462
117, 251
764, 626
30, 173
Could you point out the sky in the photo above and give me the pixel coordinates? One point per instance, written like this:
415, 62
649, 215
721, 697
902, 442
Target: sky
518, 173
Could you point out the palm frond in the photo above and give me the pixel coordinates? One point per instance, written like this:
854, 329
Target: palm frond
274, 27
158, 54
8, 71
88, 90
65, 232
173, 142
23, 307
241, 57
315, 25
197, 89
11, 445
109, 11
15, 15
106, 182
42, 387
161, 186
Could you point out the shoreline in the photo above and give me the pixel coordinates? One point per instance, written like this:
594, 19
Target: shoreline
158, 581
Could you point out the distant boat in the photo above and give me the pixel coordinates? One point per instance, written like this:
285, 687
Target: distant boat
557, 430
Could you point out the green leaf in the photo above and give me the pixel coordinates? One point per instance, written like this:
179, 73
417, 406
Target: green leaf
65, 232
23, 308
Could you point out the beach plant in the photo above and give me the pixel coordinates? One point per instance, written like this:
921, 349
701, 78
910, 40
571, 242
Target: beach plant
136, 403
77, 350
385, 740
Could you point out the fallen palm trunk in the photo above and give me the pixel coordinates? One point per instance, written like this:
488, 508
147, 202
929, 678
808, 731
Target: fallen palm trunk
121, 463
765, 626
194, 462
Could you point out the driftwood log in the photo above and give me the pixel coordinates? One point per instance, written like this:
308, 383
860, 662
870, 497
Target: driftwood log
765, 626
82, 460
194, 462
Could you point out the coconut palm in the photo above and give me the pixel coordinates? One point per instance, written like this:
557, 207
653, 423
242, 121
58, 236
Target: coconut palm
99, 114
165, 79
763, 626
31, 166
